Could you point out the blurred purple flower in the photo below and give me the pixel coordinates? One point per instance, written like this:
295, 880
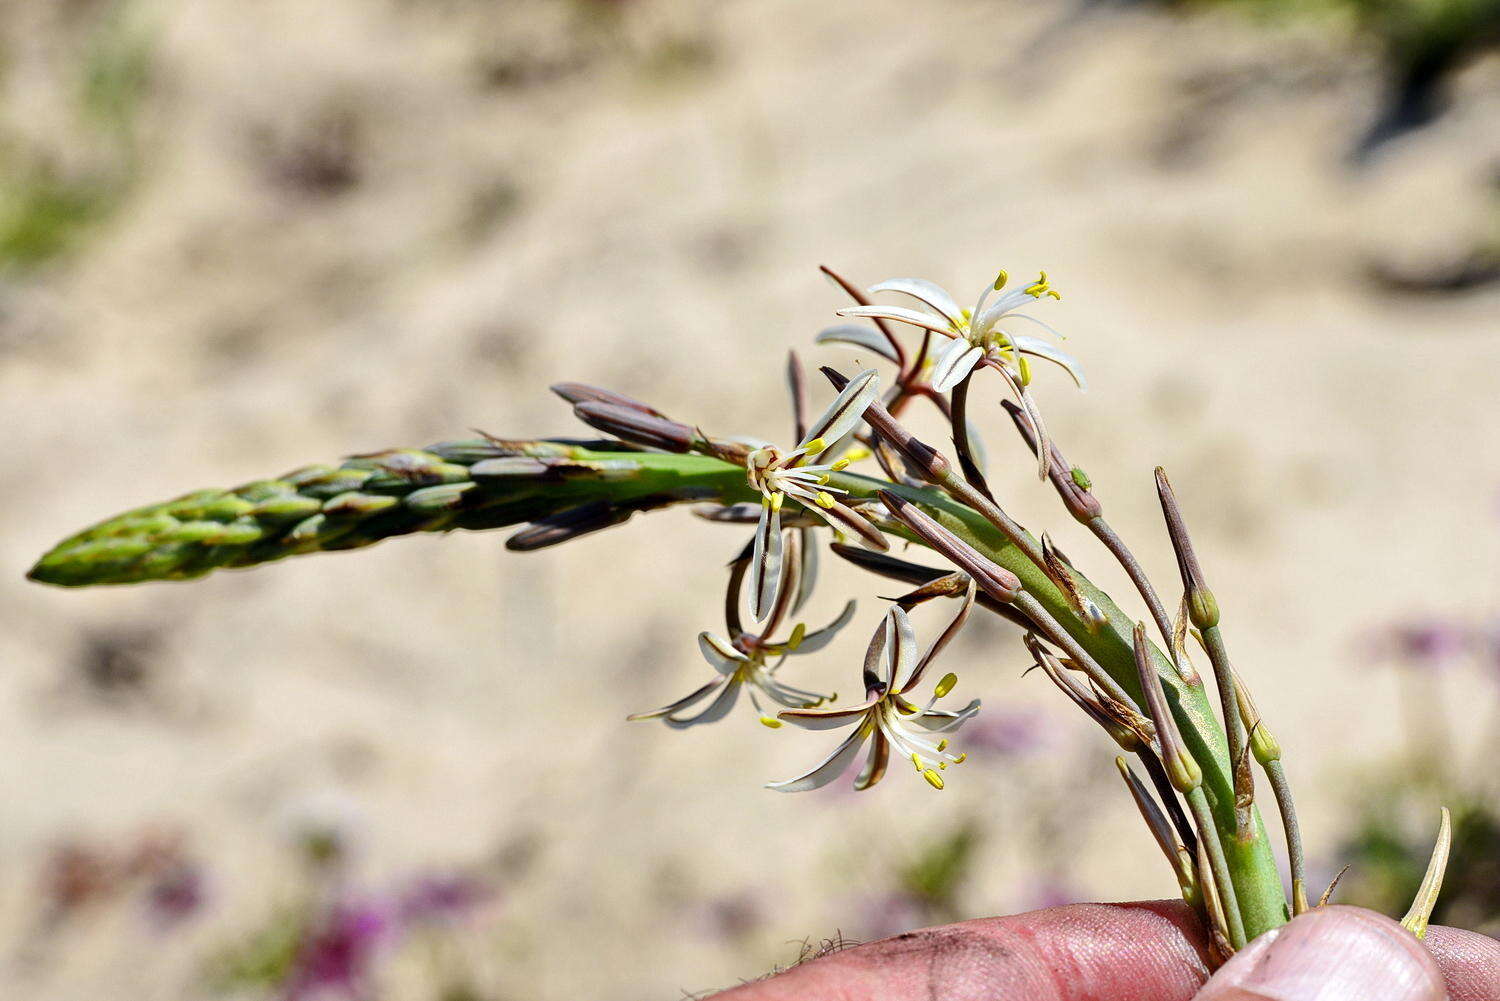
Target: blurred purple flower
1428, 645
336, 956
175, 894
1052, 890
891, 914
732, 916
444, 897
1005, 733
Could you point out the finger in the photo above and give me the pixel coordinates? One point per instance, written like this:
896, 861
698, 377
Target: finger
1083, 952
1330, 954
1470, 963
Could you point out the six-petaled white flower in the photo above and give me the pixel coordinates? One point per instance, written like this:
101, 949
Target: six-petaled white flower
887, 718
981, 337
745, 661
797, 474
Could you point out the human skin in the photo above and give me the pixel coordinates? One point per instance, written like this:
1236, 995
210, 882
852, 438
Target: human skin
1147, 951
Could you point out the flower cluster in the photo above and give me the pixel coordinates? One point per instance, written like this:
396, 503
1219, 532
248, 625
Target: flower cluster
978, 338
742, 660
887, 718
779, 475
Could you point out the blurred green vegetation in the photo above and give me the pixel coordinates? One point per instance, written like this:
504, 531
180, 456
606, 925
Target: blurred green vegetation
47, 208
1421, 43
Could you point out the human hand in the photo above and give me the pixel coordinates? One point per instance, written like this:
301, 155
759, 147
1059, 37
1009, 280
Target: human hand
1149, 951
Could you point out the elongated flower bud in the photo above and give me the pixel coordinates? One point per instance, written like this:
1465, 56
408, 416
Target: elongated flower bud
474, 484
993, 579
1070, 482
1203, 609
1181, 767
578, 392
636, 426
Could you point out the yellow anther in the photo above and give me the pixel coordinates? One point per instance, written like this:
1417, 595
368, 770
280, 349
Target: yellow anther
1043, 279
916, 759
772, 722
942, 766
839, 467
824, 499
1055, 294
946, 685
856, 454
1025, 370
1001, 279
777, 499
799, 633
823, 479
933, 779
815, 446
943, 744
961, 758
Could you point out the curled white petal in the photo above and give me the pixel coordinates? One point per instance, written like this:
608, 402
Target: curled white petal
682, 703
901, 314
847, 409
720, 653
955, 362
828, 769
765, 563
900, 657
827, 719
1039, 348
946, 720
925, 291
717, 709
819, 638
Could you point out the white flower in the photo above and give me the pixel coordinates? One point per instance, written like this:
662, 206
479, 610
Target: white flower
887, 718
743, 662
980, 337
779, 475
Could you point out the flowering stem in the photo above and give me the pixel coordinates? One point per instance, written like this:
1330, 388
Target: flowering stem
168, 541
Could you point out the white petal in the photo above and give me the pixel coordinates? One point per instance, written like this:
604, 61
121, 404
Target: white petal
977, 451
1042, 349
846, 518
956, 361
1040, 323
915, 317
847, 409
943, 640
826, 770
681, 703
807, 554
901, 642
826, 719
819, 638
791, 696
874, 768
991, 315
922, 290
719, 653
765, 563
717, 709
945, 720
866, 338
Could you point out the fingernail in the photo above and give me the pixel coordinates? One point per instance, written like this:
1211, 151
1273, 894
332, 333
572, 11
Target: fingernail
1330, 954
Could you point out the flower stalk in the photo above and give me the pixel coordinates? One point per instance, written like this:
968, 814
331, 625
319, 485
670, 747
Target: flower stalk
562, 489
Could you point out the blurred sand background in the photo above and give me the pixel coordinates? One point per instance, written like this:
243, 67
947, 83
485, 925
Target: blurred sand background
342, 226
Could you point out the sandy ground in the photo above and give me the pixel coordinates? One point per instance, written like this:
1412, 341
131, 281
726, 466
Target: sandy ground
359, 225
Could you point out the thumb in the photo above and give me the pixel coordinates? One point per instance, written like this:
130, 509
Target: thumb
1330, 954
